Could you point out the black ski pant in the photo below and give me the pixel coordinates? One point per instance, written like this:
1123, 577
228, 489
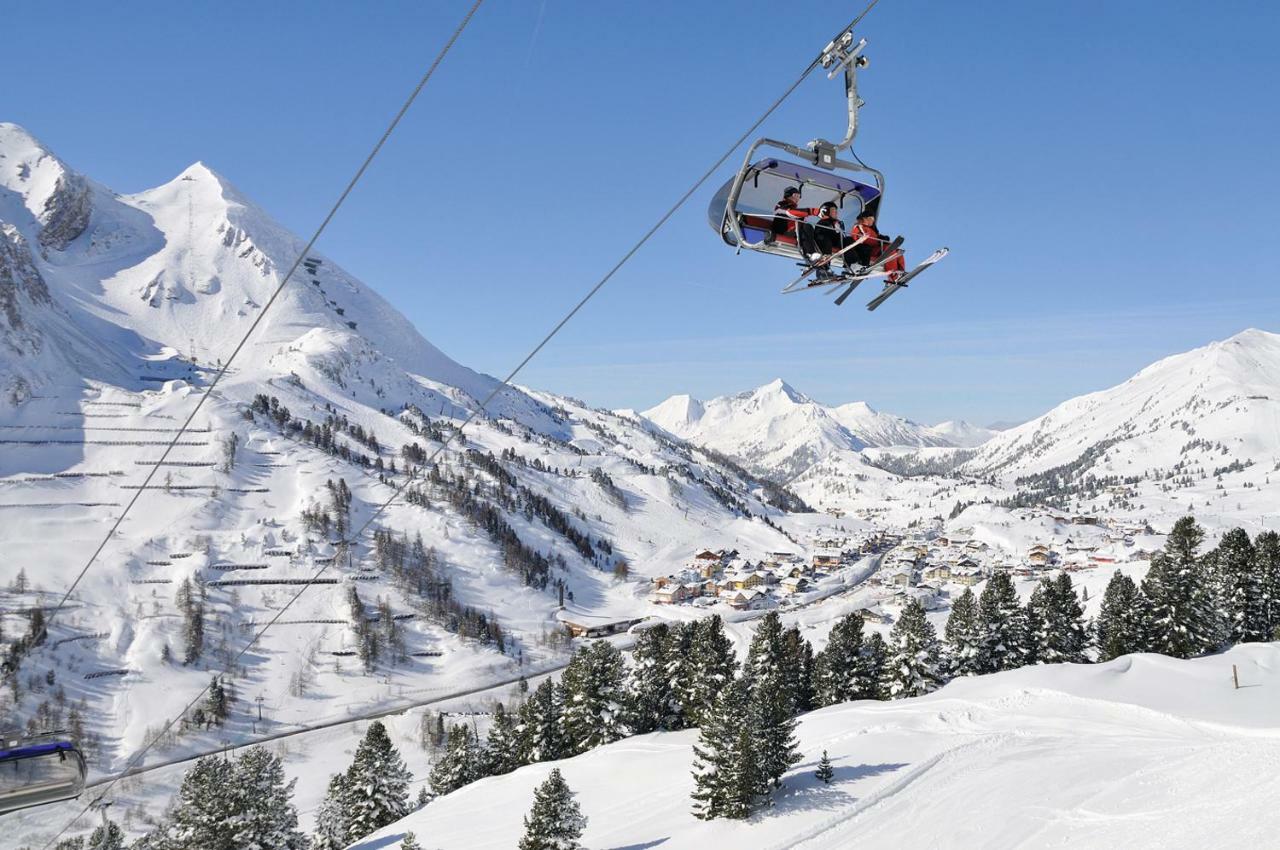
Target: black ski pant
830, 240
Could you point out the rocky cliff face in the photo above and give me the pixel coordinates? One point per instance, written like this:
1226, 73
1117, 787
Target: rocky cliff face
66, 212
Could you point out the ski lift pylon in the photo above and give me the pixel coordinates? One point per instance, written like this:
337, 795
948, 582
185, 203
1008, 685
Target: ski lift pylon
39, 769
742, 210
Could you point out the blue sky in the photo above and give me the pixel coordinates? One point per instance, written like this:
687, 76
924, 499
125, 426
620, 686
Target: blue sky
1103, 172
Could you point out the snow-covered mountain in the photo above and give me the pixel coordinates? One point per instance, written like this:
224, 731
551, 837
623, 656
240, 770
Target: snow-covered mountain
776, 430
1205, 408
114, 311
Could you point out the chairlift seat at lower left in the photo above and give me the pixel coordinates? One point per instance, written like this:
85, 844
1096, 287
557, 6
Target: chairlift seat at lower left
38, 770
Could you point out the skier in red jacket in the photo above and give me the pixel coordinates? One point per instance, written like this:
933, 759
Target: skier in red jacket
789, 217
873, 246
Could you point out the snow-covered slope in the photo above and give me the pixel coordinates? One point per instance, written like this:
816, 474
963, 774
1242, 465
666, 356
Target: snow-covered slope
777, 430
1141, 752
114, 312
957, 432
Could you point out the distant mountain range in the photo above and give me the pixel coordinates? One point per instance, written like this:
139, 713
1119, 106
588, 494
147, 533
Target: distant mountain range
779, 431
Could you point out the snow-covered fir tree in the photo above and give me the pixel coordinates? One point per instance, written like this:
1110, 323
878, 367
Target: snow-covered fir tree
556, 821
771, 701
1183, 619
108, 836
681, 669
502, 746
725, 775
653, 699
333, 829
1001, 626
1243, 594
460, 764
1121, 626
709, 665
1066, 635
915, 654
265, 816
962, 635
203, 814
541, 732
1035, 624
1266, 547
837, 672
410, 842
798, 664
595, 697
377, 783
873, 666
825, 772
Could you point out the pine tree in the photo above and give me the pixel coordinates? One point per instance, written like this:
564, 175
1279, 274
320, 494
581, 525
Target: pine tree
798, 663
333, 826
541, 734
1182, 619
962, 635
873, 667
1001, 626
838, 673
502, 747
1036, 624
204, 811
265, 817
595, 697
191, 607
771, 701
555, 821
215, 705
1121, 626
825, 771
377, 783
681, 671
915, 654
460, 765
1243, 595
410, 842
725, 770
1266, 548
108, 836
653, 699
710, 665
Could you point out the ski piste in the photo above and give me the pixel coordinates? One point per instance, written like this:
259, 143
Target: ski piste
891, 288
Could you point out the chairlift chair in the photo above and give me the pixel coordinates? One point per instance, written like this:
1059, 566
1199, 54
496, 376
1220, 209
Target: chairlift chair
39, 769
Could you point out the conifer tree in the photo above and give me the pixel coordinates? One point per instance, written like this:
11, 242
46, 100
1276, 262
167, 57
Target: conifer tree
1069, 636
502, 747
771, 702
1036, 623
838, 674
333, 829
653, 699
681, 670
725, 773
595, 697
873, 667
410, 842
555, 821
541, 735
710, 666
1121, 627
377, 783
1001, 626
264, 812
962, 635
204, 810
1243, 595
915, 654
1266, 547
825, 772
1182, 617
798, 665
108, 836
459, 765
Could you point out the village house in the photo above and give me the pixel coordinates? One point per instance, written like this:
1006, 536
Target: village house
968, 578
1038, 559
798, 584
938, 572
670, 594
826, 560
875, 615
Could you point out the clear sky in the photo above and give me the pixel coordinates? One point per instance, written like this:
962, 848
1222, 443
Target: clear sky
1105, 174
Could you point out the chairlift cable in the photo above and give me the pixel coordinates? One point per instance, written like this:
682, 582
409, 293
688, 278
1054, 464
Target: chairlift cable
503, 385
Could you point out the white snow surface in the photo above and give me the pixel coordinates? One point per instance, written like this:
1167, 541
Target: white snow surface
1141, 752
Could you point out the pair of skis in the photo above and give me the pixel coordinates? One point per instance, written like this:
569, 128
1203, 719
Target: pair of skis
849, 282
